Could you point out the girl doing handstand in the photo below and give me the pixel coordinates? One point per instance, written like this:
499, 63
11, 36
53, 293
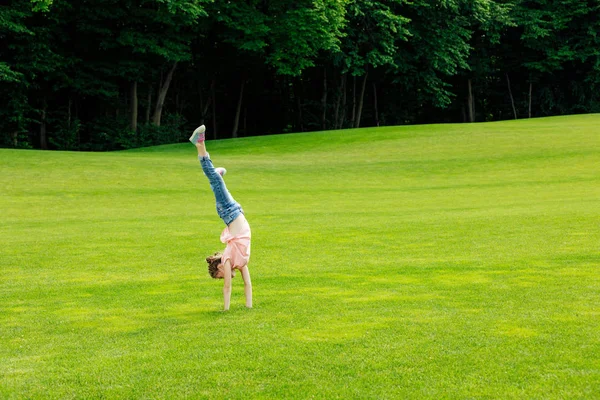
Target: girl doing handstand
236, 234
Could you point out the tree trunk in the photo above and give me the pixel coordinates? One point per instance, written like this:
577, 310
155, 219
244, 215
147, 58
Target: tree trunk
338, 101
162, 94
353, 118
361, 100
375, 104
69, 113
344, 101
324, 101
201, 98
471, 103
204, 105
530, 90
214, 110
149, 106
298, 93
43, 137
209, 101
238, 111
177, 98
512, 100
76, 119
134, 107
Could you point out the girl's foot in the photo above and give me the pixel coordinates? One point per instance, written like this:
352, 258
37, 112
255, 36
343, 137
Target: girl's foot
221, 171
198, 135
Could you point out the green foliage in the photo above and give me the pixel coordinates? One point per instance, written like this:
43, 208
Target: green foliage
277, 65
558, 32
247, 26
438, 47
299, 32
172, 131
8, 75
41, 5
373, 34
67, 134
115, 134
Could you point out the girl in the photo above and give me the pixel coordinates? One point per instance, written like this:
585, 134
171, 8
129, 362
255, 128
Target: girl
237, 232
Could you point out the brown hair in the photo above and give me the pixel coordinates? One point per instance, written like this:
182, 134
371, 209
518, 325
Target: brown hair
213, 264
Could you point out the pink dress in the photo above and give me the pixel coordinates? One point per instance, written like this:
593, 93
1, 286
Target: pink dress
238, 246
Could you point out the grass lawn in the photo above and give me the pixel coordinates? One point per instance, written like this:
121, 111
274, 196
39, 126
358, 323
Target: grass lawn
435, 261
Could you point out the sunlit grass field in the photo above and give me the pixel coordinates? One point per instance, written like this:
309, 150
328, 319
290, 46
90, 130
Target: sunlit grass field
437, 261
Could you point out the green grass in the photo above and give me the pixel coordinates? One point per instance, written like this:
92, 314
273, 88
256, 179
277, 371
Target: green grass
439, 261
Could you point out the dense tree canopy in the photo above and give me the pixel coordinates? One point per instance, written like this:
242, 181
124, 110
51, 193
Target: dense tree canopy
114, 74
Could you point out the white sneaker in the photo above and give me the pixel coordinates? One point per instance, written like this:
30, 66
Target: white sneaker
198, 135
221, 171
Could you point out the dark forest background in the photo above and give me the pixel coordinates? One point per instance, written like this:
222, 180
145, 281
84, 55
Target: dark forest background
116, 74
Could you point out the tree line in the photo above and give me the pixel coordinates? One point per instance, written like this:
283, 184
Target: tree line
116, 74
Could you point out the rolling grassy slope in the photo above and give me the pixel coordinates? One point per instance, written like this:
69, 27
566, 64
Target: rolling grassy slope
435, 261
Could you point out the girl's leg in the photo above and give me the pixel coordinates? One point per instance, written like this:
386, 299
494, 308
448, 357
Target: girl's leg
217, 184
227, 208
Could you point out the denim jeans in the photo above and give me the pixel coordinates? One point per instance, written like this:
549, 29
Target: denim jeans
227, 208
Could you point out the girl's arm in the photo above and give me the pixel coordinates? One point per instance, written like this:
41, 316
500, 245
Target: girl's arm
226, 285
247, 286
